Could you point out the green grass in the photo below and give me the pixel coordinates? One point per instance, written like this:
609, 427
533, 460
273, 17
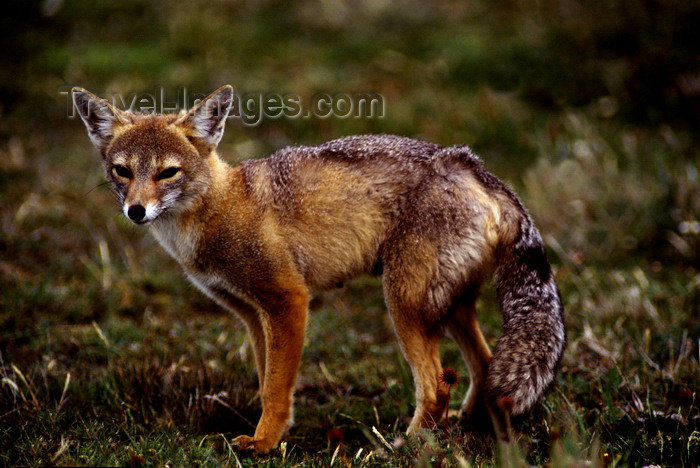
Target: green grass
108, 356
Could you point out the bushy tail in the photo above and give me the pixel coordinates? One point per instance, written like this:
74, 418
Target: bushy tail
527, 354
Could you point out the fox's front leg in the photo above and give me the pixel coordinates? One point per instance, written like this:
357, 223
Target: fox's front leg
284, 323
256, 333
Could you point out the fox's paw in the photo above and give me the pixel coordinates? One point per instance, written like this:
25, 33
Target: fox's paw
246, 443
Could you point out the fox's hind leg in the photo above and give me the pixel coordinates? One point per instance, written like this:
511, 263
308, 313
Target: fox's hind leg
420, 346
464, 329
419, 330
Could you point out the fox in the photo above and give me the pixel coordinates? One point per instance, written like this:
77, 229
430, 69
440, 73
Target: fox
261, 237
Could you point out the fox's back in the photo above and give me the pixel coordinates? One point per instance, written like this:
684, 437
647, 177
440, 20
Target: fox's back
339, 203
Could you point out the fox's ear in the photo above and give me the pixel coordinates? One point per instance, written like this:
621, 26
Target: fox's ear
208, 118
99, 116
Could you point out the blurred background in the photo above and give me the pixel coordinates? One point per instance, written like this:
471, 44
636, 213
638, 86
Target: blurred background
590, 110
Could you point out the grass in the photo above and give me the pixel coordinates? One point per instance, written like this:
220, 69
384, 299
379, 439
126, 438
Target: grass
108, 356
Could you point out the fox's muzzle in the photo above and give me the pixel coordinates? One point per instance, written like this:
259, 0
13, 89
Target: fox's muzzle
140, 214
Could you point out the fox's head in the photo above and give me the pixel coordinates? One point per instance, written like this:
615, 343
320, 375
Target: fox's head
156, 163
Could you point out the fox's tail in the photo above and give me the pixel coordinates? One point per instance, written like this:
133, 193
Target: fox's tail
527, 354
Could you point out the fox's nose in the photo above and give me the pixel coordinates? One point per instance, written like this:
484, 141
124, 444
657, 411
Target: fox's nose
136, 213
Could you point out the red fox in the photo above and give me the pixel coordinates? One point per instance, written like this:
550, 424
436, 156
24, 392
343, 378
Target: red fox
259, 238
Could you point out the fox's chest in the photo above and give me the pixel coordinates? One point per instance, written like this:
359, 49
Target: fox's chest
210, 264
181, 243
221, 289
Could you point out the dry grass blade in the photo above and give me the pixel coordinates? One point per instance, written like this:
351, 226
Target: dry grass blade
335, 455
382, 439
62, 448
35, 401
101, 334
63, 394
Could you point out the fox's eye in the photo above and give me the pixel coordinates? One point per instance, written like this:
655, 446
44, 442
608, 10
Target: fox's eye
121, 171
168, 173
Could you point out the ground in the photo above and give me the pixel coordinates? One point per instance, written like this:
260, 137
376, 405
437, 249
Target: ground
108, 356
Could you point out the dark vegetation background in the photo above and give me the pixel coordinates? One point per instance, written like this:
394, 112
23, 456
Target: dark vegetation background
590, 110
